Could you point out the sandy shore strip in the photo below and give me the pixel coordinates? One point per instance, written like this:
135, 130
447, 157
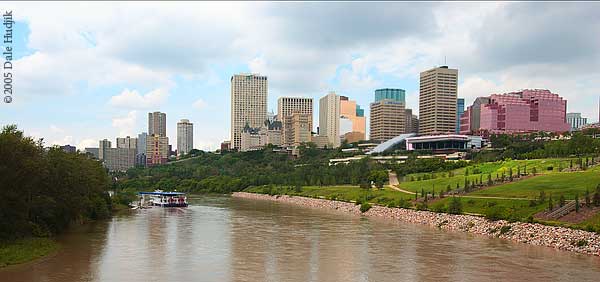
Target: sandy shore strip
530, 233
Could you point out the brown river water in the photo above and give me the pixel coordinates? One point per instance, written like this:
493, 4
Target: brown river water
230, 239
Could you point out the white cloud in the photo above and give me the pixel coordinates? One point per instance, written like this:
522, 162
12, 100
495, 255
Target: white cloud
87, 143
126, 124
199, 104
133, 100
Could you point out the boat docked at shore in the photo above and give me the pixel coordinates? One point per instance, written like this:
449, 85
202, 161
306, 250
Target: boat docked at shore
162, 199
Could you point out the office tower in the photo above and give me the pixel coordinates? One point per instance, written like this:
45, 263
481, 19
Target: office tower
297, 128
104, 144
576, 121
119, 159
141, 143
93, 151
286, 106
388, 119
69, 149
354, 116
394, 94
127, 142
527, 110
329, 118
157, 150
185, 137
157, 124
437, 101
248, 104
460, 108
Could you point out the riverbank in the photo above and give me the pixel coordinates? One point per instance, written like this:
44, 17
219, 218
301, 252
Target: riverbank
25, 250
530, 233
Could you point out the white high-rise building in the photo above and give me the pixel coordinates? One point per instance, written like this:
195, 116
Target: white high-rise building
438, 88
248, 104
329, 118
185, 137
157, 124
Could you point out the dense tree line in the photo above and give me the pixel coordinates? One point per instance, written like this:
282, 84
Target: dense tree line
416, 165
42, 190
541, 145
234, 171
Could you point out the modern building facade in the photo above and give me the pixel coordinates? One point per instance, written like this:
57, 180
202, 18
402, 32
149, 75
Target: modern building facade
157, 150
185, 137
352, 112
102, 147
576, 121
157, 124
528, 110
411, 121
329, 118
252, 139
119, 159
297, 128
248, 104
460, 108
225, 146
395, 94
286, 107
68, 149
388, 120
127, 142
93, 151
437, 101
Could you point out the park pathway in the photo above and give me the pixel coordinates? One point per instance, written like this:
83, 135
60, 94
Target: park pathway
394, 184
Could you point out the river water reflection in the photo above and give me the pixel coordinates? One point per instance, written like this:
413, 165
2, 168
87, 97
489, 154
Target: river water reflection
228, 239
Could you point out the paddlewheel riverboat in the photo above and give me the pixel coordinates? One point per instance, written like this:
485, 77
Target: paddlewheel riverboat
163, 199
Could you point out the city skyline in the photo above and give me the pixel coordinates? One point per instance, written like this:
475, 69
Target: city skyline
191, 80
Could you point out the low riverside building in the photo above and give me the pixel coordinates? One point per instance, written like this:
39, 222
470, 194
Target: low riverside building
69, 149
397, 158
444, 143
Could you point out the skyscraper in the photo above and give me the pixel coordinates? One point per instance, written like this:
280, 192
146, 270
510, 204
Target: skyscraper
437, 101
141, 145
248, 104
460, 108
352, 112
157, 124
103, 146
286, 107
388, 119
185, 137
127, 142
395, 94
329, 118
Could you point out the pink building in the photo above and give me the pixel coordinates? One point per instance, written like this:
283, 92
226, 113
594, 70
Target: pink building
524, 111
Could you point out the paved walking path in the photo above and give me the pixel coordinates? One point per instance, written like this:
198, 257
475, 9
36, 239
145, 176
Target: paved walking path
394, 183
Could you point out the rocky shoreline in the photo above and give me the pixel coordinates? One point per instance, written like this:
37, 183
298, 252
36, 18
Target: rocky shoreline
529, 233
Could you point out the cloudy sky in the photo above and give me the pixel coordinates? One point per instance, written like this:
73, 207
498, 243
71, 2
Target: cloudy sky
89, 71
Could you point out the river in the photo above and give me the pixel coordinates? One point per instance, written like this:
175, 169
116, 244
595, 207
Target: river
231, 239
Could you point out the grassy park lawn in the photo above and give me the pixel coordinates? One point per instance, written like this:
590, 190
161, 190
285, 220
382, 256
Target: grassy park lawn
556, 184
442, 179
517, 209
341, 193
25, 250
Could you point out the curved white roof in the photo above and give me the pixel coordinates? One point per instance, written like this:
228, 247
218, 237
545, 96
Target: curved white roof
390, 143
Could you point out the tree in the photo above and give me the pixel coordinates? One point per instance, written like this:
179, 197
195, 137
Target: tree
433, 191
571, 164
577, 202
448, 188
596, 197
518, 171
422, 192
534, 171
561, 200
489, 180
542, 196
550, 204
587, 197
510, 174
455, 205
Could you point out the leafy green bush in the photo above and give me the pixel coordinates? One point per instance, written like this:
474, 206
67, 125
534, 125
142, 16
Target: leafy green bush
504, 229
365, 207
455, 206
495, 213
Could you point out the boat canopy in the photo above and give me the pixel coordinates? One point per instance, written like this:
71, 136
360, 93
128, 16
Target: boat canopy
162, 193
